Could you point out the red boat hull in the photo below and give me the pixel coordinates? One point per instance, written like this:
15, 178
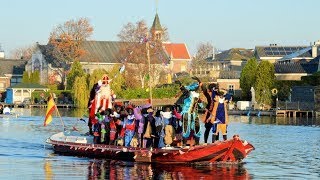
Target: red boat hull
233, 150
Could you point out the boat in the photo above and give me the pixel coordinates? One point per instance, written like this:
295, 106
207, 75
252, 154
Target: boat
71, 143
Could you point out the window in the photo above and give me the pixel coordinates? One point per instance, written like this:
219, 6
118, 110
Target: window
231, 88
183, 68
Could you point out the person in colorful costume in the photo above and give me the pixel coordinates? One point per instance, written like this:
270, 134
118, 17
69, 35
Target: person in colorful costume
91, 105
219, 115
191, 125
159, 123
104, 95
101, 98
149, 128
210, 94
129, 126
97, 127
169, 124
119, 114
113, 130
105, 127
176, 113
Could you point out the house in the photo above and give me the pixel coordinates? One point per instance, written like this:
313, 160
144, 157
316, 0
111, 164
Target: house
233, 60
179, 57
226, 64
19, 92
293, 71
225, 68
291, 62
11, 71
274, 53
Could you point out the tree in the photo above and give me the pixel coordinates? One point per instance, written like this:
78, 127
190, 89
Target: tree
76, 71
118, 81
80, 91
25, 77
134, 53
65, 42
33, 78
265, 80
313, 80
248, 78
68, 37
23, 52
204, 50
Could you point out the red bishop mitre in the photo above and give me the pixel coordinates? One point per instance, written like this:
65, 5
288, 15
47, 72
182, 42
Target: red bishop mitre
105, 79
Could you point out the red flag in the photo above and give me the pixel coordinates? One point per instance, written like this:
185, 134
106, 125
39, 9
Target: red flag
50, 108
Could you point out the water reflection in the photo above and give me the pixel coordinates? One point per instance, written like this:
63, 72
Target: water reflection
102, 169
48, 170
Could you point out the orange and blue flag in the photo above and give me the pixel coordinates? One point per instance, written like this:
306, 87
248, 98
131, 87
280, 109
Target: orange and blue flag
50, 108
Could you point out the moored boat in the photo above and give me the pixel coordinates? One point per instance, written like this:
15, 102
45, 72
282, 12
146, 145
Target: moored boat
233, 150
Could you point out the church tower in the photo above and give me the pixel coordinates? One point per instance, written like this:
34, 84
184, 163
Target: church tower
156, 29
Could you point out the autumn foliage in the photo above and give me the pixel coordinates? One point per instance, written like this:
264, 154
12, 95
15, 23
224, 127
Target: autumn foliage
68, 37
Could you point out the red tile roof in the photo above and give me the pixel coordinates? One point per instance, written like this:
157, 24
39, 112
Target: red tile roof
177, 51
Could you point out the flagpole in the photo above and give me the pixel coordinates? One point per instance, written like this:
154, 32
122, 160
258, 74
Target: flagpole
60, 118
149, 68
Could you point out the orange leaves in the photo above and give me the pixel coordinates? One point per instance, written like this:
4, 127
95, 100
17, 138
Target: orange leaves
68, 37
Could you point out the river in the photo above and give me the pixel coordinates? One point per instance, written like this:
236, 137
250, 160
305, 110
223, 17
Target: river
285, 149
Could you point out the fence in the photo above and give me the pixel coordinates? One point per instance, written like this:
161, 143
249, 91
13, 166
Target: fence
284, 105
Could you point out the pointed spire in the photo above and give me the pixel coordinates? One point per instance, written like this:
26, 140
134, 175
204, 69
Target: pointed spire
156, 26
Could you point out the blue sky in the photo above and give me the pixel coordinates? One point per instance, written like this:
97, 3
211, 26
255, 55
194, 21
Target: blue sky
224, 23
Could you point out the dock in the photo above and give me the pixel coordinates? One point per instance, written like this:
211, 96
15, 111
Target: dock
294, 113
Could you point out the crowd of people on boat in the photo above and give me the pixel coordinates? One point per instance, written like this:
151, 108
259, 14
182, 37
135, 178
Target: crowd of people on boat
136, 126
114, 123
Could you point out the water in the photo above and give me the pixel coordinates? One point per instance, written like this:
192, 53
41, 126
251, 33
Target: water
285, 149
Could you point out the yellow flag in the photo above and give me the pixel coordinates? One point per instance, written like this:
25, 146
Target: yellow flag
51, 107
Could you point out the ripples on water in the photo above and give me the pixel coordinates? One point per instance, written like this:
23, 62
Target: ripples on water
285, 148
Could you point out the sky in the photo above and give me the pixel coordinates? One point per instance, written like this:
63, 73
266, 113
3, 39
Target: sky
223, 23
